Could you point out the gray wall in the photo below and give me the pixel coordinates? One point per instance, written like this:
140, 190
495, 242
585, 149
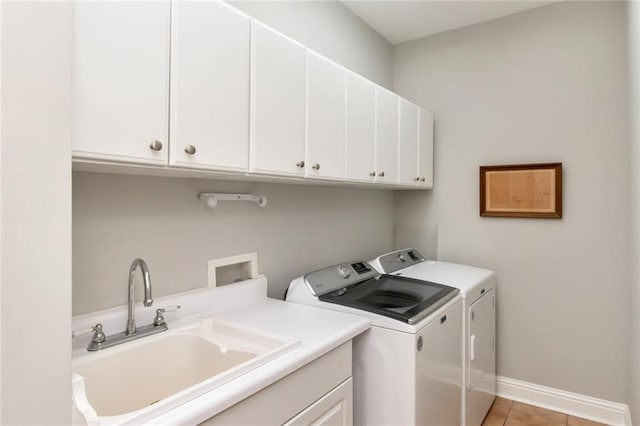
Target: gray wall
117, 218
634, 335
36, 213
545, 85
331, 29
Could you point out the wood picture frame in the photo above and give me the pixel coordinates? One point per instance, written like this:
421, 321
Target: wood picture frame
521, 190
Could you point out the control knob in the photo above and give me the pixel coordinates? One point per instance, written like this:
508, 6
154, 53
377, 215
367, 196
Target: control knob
344, 271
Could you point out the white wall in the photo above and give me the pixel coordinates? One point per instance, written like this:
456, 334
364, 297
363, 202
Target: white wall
36, 211
331, 29
634, 335
118, 218
545, 85
1, 211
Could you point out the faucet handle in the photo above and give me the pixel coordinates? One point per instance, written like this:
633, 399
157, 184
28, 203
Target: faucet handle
98, 334
159, 319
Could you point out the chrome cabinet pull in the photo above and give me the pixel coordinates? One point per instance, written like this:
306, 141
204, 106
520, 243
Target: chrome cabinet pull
156, 145
417, 179
300, 164
190, 149
381, 174
422, 180
372, 174
316, 166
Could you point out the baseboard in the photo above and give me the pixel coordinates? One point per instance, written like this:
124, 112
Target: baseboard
599, 410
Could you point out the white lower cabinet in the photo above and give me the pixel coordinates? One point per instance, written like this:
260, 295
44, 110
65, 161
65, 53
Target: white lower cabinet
320, 393
335, 408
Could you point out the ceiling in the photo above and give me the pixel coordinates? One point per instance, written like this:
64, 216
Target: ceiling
403, 20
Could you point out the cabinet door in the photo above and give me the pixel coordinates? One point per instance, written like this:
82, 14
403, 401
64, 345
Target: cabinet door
209, 86
120, 81
425, 149
360, 134
335, 409
277, 103
408, 144
386, 136
325, 118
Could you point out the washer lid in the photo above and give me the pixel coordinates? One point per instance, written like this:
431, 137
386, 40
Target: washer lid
405, 299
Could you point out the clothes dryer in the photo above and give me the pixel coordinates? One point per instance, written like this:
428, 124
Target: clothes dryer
478, 290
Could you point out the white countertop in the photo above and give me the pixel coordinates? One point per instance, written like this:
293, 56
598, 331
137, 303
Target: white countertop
245, 303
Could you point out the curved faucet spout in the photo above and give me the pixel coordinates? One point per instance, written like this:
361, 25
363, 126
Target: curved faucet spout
148, 301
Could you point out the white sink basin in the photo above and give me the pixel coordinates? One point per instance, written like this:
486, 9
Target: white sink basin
142, 379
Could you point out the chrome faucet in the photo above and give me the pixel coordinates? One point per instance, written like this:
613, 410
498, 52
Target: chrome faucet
148, 301
101, 341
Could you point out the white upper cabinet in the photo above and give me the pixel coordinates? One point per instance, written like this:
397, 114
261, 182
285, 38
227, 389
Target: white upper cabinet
425, 149
386, 136
120, 81
200, 85
408, 144
360, 135
209, 86
278, 103
325, 119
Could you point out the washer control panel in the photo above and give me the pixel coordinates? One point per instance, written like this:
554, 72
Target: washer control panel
338, 276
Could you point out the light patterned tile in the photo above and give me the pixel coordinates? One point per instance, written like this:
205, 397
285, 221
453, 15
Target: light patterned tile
496, 416
577, 421
537, 413
522, 418
502, 402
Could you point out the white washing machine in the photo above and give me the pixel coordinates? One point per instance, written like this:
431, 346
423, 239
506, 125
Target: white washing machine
477, 288
407, 368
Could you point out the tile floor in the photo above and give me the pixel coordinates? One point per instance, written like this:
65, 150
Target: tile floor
506, 412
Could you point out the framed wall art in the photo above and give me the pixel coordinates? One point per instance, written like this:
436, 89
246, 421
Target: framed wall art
521, 190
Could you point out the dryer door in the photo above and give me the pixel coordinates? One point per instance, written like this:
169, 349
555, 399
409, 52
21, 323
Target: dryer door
481, 358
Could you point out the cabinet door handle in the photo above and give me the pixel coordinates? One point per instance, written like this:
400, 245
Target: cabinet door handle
417, 179
316, 166
155, 145
381, 174
190, 149
422, 180
300, 164
372, 174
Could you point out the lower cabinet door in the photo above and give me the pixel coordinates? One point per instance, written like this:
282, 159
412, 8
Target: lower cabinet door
335, 408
